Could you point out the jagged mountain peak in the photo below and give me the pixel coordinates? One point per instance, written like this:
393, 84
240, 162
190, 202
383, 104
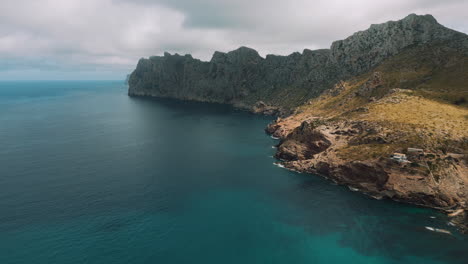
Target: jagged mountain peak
240, 55
366, 49
244, 53
414, 17
244, 49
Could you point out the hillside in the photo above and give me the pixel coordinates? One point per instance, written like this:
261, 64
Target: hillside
416, 99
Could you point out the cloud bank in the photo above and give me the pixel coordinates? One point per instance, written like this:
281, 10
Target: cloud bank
103, 39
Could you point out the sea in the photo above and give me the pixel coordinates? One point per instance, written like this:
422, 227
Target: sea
91, 175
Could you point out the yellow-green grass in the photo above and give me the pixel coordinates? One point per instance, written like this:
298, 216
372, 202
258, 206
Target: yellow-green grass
429, 110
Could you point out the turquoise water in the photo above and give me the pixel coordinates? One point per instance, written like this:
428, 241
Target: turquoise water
89, 175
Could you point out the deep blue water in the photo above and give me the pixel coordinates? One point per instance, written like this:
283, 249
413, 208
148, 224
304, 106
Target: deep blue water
89, 175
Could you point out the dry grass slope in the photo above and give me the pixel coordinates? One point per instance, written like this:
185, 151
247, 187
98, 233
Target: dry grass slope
418, 96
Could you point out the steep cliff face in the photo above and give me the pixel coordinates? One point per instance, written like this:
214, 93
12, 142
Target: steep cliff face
242, 77
366, 49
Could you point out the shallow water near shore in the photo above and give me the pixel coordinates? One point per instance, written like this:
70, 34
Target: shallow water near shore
90, 175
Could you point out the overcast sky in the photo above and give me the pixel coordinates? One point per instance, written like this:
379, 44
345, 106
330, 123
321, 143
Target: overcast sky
103, 39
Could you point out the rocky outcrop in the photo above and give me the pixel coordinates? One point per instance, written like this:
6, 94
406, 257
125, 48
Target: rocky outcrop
366, 49
316, 147
262, 108
243, 78
311, 147
371, 85
303, 143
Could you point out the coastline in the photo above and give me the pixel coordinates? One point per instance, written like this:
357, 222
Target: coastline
382, 111
339, 177
376, 178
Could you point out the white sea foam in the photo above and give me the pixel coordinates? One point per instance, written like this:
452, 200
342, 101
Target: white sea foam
273, 137
279, 165
430, 228
438, 230
283, 167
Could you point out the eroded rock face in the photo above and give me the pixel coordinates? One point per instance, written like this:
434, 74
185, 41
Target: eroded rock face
365, 49
362, 172
303, 143
371, 85
262, 108
241, 77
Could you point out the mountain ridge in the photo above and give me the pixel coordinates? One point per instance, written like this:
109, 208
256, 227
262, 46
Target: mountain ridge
242, 77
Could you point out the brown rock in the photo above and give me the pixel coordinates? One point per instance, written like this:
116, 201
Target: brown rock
304, 142
361, 172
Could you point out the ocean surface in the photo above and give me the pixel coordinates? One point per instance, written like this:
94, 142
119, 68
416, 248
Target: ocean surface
90, 175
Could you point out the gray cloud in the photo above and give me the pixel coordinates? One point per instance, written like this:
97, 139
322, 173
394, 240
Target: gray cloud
109, 36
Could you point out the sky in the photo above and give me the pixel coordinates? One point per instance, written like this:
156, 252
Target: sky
103, 39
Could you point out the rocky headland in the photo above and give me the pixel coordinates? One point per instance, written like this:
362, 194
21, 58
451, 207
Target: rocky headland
384, 111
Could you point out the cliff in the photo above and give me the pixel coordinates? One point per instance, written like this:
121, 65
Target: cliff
242, 77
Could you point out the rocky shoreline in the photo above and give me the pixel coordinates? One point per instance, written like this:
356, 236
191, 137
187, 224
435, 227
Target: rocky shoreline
312, 147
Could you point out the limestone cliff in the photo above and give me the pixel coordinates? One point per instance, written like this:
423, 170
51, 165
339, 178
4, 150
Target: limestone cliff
242, 77
366, 49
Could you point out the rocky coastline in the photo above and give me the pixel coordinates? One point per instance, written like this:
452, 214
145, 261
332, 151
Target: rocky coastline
313, 147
